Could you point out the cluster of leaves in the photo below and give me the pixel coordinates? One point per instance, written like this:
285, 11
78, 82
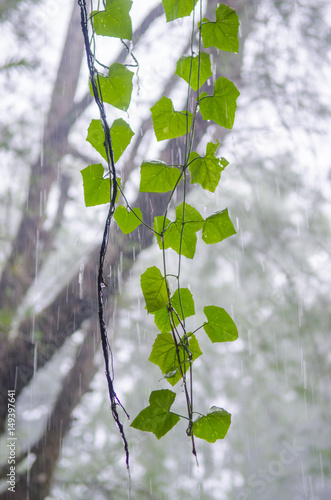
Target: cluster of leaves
175, 349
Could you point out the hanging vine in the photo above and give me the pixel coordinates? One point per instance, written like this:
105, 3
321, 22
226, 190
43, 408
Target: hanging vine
175, 348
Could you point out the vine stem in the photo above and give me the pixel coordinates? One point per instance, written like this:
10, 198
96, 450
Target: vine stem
113, 189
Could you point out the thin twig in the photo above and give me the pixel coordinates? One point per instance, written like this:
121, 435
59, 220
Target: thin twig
113, 189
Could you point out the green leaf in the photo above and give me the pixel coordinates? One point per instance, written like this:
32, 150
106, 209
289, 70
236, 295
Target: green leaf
157, 177
181, 241
96, 188
220, 326
162, 321
115, 21
116, 88
126, 219
154, 288
164, 354
167, 122
184, 298
217, 227
161, 317
220, 107
184, 69
177, 8
223, 33
213, 426
156, 417
207, 170
120, 133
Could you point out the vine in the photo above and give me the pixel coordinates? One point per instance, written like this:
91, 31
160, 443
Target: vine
175, 348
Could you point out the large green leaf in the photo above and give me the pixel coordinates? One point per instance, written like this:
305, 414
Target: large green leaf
115, 21
213, 426
217, 227
174, 237
156, 417
180, 300
177, 8
116, 88
154, 288
162, 320
220, 326
223, 33
157, 177
120, 133
164, 354
190, 71
167, 122
126, 219
96, 188
220, 107
206, 170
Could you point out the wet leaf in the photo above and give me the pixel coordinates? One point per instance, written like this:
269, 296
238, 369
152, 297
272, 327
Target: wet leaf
167, 122
217, 227
116, 88
174, 237
164, 354
96, 188
221, 106
220, 326
120, 133
206, 170
157, 418
184, 69
115, 21
222, 33
183, 298
157, 177
161, 317
126, 219
177, 8
162, 321
154, 288
213, 426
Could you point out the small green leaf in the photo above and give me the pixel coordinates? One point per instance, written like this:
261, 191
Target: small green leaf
156, 417
220, 326
96, 188
167, 122
213, 426
126, 219
157, 177
116, 88
220, 107
191, 217
206, 170
162, 321
154, 288
217, 227
183, 298
164, 354
161, 317
177, 8
115, 21
120, 133
223, 33
181, 241
184, 69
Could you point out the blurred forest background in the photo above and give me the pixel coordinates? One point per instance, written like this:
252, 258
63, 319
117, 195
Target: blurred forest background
273, 277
